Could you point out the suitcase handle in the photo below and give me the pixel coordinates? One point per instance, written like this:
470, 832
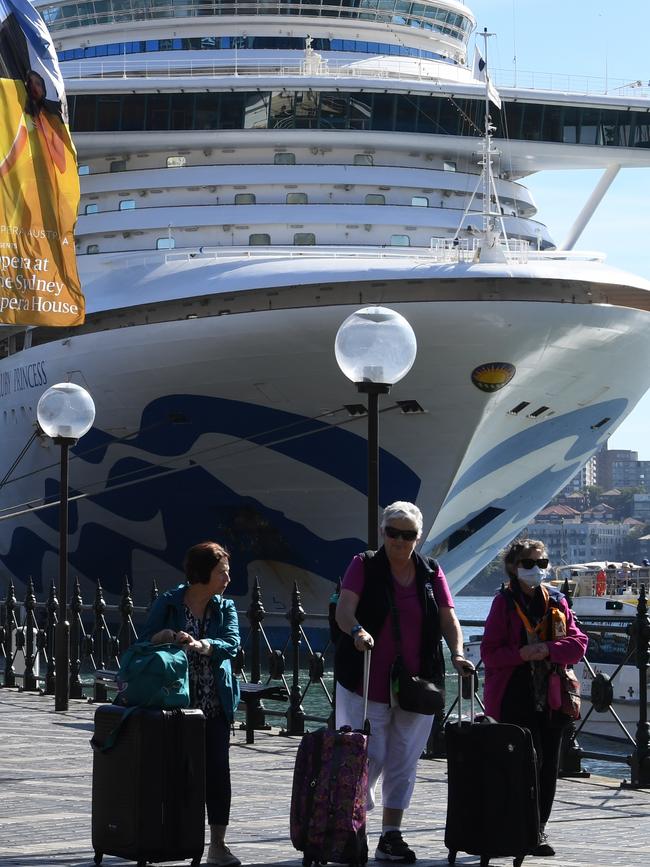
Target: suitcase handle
365, 722
463, 684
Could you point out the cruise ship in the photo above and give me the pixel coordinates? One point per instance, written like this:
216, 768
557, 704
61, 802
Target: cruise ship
251, 173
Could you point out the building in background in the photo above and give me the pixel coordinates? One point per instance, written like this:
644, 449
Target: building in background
572, 541
621, 468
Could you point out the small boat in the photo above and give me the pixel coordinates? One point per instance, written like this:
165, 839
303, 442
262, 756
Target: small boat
604, 597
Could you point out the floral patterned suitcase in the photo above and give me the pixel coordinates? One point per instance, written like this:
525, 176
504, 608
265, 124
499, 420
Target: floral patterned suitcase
330, 790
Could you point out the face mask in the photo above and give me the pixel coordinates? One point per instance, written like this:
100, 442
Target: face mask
531, 577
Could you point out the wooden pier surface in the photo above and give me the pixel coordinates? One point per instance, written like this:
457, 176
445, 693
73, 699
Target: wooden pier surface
45, 800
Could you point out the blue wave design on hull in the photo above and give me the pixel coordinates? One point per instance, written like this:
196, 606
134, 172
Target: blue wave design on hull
194, 505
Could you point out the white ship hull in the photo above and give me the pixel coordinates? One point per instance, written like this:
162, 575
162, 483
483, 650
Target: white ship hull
237, 430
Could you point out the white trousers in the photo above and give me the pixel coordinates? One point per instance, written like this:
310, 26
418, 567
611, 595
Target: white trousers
397, 741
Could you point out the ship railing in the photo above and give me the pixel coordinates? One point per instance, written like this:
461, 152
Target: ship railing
440, 250
515, 250
121, 67
388, 252
101, 632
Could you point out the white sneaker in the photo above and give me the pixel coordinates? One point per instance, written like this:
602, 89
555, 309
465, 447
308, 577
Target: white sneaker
220, 854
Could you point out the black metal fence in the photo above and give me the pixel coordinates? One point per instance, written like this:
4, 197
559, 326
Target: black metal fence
100, 632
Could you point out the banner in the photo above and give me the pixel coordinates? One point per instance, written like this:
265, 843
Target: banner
39, 184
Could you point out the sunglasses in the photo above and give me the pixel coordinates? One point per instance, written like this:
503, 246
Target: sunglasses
528, 563
407, 535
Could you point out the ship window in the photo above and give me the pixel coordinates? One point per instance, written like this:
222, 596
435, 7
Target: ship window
375, 199
284, 159
127, 204
117, 166
245, 198
92, 248
297, 198
91, 209
83, 170
259, 239
400, 241
449, 167
304, 239
165, 244
176, 162
362, 160
420, 202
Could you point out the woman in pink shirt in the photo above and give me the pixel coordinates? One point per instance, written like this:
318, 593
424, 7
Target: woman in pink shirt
426, 613
529, 627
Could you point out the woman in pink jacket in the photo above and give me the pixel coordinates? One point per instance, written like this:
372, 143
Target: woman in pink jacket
530, 627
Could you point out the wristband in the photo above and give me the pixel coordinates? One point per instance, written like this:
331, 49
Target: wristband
356, 629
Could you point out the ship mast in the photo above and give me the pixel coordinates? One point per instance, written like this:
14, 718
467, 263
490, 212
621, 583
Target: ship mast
489, 248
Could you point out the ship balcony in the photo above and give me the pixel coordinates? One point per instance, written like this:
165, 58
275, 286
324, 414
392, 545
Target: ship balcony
191, 65
448, 22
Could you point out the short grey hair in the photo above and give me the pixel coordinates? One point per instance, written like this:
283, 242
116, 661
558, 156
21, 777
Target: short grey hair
404, 510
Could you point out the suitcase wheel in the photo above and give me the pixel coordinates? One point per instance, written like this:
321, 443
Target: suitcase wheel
518, 861
485, 860
306, 862
196, 862
98, 857
451, 857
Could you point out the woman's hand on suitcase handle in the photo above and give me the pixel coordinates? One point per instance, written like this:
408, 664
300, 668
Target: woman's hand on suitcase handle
363, 640
463, 666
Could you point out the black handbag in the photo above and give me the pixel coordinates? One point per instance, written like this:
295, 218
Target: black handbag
411, 692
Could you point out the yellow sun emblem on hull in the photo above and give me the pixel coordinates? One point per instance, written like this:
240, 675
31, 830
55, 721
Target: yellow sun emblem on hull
493, 375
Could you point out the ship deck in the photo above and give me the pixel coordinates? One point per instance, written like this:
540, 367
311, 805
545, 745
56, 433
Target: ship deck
45, 800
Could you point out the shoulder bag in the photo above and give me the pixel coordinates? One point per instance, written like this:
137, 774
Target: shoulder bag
410, 692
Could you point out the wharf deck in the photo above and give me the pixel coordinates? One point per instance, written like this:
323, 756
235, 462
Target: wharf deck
45, 800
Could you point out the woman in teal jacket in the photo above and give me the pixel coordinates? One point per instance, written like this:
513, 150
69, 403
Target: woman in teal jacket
196, 616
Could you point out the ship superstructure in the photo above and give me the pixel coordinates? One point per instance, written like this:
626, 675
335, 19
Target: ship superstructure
250, 172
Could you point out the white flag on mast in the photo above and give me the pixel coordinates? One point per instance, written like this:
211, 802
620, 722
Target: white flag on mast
481, 74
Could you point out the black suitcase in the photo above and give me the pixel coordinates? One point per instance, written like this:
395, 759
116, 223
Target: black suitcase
148, 801
492, 800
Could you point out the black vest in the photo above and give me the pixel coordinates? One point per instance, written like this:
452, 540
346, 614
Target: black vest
374, 608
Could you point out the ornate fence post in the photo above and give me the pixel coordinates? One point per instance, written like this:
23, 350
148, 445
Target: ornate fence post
255, 709
10, 626
570, 752
52, 609
100, 693
76, 604
640, 631
295, 713
126, 610
30, 683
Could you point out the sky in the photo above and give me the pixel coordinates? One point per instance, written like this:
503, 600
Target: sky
599, 40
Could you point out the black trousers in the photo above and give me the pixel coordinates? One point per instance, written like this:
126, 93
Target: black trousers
518, 708
217, 769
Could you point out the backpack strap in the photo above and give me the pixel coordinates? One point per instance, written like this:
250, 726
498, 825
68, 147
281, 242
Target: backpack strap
113, 735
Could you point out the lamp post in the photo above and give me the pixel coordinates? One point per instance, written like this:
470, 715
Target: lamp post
65, 412
375, 347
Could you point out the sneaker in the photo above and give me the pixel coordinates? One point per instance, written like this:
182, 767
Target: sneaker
220, 854
393, 847
543, 848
